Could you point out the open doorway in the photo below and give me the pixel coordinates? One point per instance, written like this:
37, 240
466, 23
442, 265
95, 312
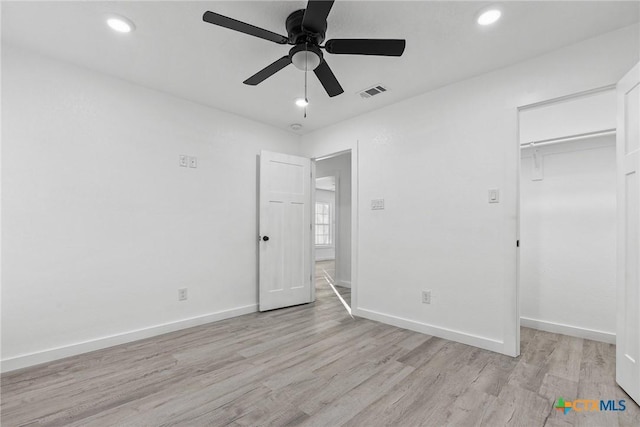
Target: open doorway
567, 225
332, 228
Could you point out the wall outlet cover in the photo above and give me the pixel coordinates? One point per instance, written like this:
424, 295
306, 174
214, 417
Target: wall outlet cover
426, 297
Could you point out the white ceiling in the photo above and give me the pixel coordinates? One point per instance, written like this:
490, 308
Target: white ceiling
173, 50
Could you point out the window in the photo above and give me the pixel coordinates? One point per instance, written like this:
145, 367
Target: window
323, 224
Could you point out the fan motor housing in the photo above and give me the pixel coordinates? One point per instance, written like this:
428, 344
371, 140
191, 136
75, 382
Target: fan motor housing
297, 35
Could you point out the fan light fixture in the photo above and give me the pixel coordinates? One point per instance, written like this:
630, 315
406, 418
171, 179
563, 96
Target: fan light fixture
489, 17
120, 24
301, 102
305, 60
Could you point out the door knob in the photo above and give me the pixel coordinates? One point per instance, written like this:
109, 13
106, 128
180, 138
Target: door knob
265, 238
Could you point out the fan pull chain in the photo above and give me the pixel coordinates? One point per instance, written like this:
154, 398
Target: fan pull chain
306, 69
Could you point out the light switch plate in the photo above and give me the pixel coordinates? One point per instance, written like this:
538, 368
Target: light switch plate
494, 195
377, 204
183, 161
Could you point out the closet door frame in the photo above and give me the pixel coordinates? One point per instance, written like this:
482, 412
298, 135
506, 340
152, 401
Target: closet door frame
549, 102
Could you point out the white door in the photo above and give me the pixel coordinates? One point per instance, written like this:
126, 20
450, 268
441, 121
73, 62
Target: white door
285, 230
628, 155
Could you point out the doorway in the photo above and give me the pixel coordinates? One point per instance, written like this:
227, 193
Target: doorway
594, 116
332, 228
567, 216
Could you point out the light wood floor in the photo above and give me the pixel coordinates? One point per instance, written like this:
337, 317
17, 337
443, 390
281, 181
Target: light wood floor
327, 269
313, 365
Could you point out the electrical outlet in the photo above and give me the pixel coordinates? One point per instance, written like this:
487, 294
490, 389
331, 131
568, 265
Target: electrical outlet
426, 297
183, 161
193, 162
182, 294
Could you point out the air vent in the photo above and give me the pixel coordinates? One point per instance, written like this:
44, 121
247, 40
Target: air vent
372, 91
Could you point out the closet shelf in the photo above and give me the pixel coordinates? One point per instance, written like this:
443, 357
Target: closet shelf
576, 137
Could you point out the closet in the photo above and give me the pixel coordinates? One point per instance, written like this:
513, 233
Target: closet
567, 260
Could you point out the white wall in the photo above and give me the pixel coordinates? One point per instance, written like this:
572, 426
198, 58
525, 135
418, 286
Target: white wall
433, 158
568, 239
325, 253
580, 114
101, 226
340, 166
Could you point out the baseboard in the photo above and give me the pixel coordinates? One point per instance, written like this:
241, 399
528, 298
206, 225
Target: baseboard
44, 356
437, 331
330, 258
573, 331
344, 283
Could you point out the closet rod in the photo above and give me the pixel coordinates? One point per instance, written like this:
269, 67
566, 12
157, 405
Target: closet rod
577, 137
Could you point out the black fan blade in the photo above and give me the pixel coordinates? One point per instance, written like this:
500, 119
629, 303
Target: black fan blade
315, 16
381, 47
243, 27
268, 71
328, 80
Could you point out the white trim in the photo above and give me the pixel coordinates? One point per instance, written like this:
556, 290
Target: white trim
312, 260
569, 97
56, 353
437, 331
572, 331
355, 222
325, 258
332, 155
512, 331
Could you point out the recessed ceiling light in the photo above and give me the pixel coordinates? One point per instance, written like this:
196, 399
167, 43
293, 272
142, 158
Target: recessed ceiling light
120, 24
301, 102
489, 17
296, 126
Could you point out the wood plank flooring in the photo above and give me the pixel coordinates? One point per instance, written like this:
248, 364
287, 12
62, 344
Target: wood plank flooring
327, 269
313, 365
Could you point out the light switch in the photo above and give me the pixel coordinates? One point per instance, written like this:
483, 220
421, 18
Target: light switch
494, 195
377, 204
183, 161
193, 162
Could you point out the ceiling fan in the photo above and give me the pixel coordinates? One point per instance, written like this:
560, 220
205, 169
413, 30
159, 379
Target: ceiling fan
306, 30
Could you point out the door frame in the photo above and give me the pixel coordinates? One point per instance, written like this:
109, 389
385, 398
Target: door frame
521, 108
312, 239
354, 220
